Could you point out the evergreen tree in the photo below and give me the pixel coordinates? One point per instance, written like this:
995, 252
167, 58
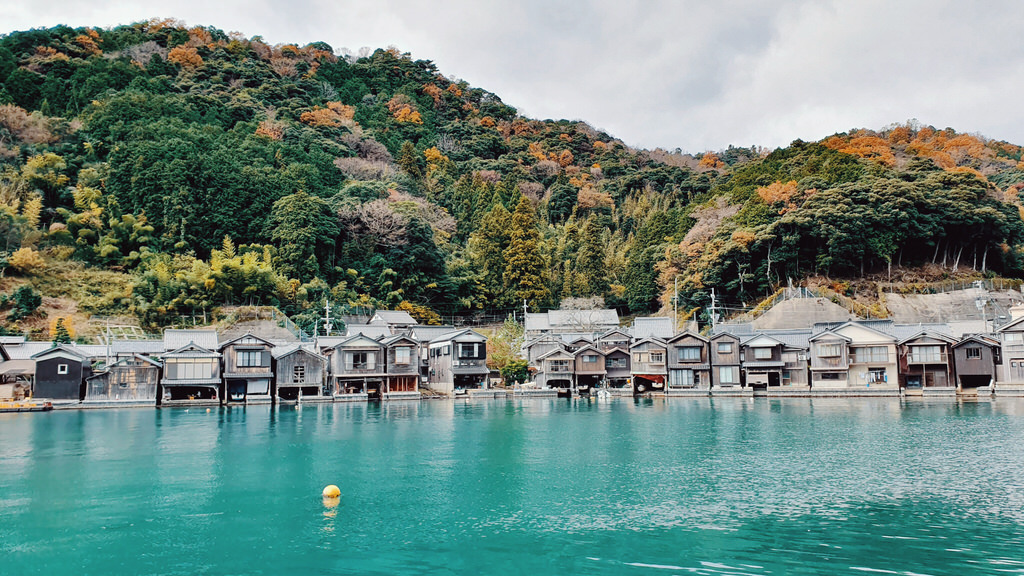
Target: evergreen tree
524, 266
486, 249
590, 262
60, 333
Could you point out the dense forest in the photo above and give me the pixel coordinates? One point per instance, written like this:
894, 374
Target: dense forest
165, 170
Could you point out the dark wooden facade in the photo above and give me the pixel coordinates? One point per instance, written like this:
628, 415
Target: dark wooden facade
976, 362
689, 361
298, 373
247, 369
60, 374
133, 379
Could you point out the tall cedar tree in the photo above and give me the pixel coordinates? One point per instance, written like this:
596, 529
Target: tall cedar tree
590, 262
524, 266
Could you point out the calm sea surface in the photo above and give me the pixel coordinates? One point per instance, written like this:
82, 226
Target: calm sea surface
685, 486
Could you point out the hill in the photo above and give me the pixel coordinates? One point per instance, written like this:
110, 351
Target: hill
204, 169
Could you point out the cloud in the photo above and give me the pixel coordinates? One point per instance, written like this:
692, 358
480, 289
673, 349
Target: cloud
687, 74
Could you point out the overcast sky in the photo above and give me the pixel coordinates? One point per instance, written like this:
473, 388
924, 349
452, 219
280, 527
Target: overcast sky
694, 75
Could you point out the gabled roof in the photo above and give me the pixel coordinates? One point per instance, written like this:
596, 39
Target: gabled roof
427, 333
589, 348
652, 326
358, 340
724, 334
1011, 324
979, 339
462, 335
12, 339
394, 317
142, 357
26, 350
575, 320
866, 325
928, 334
791, 338
655, 341
246, 335
176, 338
391, 340
193, 349
60, 350
586, 341
762, 341
282, 351
369, 330
828, 334
686, 334
611, 351
608, 333
555, 352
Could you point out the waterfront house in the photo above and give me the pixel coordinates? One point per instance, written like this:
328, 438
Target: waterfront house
648, 367
397, 321
588, 369
795, 357
247, 370
615, 338
1011, 336
60, 374
976, 363
458, 361
299, 374
762, 362
725, 361
926, 364
555, 370
617, 367
16, 375
689, 361
357, 368
130, 380
854, 355
578, 342
191, 376
375, 331
540, 346
424, 335
403, 372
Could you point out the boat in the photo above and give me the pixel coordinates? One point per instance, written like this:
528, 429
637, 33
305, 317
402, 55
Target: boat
603, 394
26, 406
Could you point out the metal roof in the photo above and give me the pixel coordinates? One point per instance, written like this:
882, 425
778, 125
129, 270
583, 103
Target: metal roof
136, 347
175, 338
575, 320
652, 326
369, 330
395, 317
428, 333
26, 350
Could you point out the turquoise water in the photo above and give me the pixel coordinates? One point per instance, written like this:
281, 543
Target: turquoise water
685, 486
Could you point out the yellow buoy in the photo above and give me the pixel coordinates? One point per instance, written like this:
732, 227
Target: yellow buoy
332, 491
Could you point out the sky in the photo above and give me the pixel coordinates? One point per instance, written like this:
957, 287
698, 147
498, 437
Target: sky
675, 74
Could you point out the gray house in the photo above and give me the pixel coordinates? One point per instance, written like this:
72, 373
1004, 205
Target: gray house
977, 360
762, 361
248, 370
458, 361
725, 361
689, 361
403, 372
191, 376
357, 368
299, 375
131, 380
398, 321
588, 369
618, 373
556, 370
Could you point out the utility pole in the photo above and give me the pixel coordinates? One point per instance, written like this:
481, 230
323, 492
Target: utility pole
327, 318
713, 310
675, 304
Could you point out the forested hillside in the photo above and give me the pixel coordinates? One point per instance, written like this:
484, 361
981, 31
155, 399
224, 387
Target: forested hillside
171, 169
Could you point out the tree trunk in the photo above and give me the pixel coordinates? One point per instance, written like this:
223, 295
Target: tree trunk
935, 256
956, 262
984, 259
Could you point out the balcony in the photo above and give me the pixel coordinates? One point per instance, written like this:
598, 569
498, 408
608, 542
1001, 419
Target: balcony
829, 362
942, 358
869, 359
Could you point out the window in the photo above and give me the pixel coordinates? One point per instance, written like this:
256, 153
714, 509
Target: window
871, 354
762, 353
973, 353
683, 378
360, 361
403, 355
615, 362
560, 366
829, 376
689, 354
190, 368
726, 374
876, 375
829, 350
724, 348
925, 353
298, 374
250, 358
1013, 337
657, 357
62, 368
590, 358
470, 350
